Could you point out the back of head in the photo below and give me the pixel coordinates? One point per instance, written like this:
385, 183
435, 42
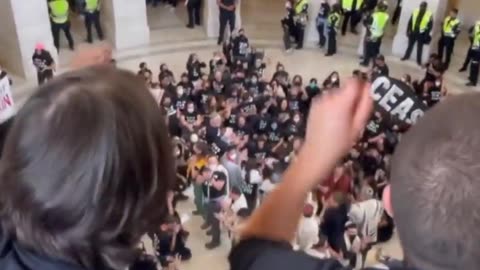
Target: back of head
435, 187
85, 161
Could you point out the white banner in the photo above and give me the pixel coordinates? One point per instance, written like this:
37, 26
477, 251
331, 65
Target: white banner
7, 107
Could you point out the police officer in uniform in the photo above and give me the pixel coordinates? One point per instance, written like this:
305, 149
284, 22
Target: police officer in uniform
418, 31
468, 57
375, 25
193, 8
92, 16
333, 23
301, 18
474, 66
59, 10
450, 31
351, 12
227, 15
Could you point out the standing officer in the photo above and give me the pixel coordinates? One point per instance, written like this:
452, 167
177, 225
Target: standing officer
418, 31
301, 18
468, 57
375, 25
193, 8
322, 22
474, 66
333, 23
92, 16
227, 15
59, 10
450, 31
351, 11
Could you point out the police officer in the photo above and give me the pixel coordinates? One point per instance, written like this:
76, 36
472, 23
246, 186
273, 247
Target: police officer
92, 16
474, 66
351, 12
333, 24
450, 31
468, 57
301, 18
418, 31
375, 25
227, 15
193, 8
59, 10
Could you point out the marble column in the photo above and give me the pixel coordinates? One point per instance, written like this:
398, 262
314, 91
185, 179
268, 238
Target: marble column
22, 26
125, 23
400, 41
211, 15
311, 32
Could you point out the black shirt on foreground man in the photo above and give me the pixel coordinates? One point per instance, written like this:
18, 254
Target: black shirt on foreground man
437, 222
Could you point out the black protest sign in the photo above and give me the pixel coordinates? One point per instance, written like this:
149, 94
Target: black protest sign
396, 98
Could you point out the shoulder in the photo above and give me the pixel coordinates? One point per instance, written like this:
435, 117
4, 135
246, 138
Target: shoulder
257, 254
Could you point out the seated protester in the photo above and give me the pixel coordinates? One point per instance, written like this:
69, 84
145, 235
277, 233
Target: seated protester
434, 70
167, 106
308, 229
147, 76
243, 131
258, 68
257, 149
332, 81
380, 68
216, 190
167, 85
240, 46
212, 129
252, 179
351, 255
294, 126
169, 242
143, 68
194, 67
218, 83
217, 62
191, 120
186, 84
254, 86
297, 96
334, 219
281, 112
312, 89
433, 92
261, 121
274, 132
375, 128
180, 99
320, 250
280, 75
165, 73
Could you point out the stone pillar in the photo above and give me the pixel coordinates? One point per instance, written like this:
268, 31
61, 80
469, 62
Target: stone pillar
125, 23
22, 26
211, 15
400, 41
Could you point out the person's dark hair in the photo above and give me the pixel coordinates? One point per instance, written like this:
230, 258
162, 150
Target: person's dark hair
244, 213
322, 240
85, 162
236, 191
435, 187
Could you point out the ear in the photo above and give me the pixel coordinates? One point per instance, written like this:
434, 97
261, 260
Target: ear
387, 200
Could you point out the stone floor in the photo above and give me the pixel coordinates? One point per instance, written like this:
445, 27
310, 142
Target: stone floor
172, 43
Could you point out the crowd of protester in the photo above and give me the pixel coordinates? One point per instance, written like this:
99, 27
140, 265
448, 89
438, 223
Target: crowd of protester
235, 131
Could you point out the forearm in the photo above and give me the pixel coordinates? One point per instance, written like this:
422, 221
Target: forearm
278, 216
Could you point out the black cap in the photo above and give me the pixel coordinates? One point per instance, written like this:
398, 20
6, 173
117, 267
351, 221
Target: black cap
219, 176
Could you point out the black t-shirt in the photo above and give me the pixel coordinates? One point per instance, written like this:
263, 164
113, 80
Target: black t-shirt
380, 71
187, 86
261, 124
274, 131
195, 70
256, 254
294, 103
240, 46
212, 133
373, 128
324, 10
42, 61
191, 118
180, 102
256, 152
227, 3
242, 131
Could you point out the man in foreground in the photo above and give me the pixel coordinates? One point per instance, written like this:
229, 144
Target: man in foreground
434, 186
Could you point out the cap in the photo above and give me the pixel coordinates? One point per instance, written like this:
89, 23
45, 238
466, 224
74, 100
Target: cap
39, 46
219, 176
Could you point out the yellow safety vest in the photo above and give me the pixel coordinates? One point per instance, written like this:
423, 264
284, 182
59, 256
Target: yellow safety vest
334, 20
379, 21
91, 5
448, 26
59, 11
300, 6
476, 37
348, 5
425, 20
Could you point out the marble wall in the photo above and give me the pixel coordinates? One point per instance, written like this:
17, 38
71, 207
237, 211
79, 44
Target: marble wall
469, 12
22, 27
